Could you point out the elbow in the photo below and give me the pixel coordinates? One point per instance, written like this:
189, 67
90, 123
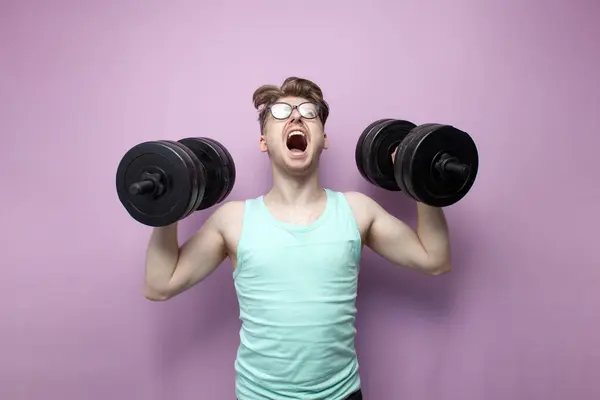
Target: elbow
440, 269
155, 294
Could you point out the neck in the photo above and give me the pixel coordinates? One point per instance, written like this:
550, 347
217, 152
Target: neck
295, 190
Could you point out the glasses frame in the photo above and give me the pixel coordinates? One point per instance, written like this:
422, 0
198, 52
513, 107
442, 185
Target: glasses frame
296, 107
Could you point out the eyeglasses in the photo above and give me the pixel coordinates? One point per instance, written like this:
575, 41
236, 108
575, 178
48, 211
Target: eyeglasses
281, 110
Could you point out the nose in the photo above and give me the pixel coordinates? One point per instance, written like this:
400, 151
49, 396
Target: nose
295, 115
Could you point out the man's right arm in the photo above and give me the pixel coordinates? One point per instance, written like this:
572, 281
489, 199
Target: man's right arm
171, 270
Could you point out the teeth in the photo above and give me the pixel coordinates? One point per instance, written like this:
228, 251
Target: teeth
295, 133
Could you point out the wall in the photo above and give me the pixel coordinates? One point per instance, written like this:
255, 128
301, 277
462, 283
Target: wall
82, 83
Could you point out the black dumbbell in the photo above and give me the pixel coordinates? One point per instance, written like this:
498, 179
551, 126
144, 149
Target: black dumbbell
434, 164
161, 182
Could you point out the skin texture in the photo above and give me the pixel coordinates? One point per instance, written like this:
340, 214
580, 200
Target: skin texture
295, 197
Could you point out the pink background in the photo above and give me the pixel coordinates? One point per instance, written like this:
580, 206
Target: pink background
81, 82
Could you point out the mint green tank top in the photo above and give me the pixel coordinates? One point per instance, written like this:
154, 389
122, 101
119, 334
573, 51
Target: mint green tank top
296, 288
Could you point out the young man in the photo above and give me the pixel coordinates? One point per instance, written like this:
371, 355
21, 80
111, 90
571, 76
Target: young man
295, 253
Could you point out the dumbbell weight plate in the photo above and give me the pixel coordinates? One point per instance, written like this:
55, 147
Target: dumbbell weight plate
378, 147
358, 152
197, 174
229, 167
219, 166
401, 155
168, 161
423, 181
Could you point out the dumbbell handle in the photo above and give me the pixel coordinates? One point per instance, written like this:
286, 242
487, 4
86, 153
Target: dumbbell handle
142, 187
451, 165
149, 183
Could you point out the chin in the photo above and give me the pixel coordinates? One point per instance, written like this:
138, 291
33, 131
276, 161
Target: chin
299, 162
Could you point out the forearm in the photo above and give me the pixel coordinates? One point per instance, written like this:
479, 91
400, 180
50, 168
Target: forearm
161, 258
432, 230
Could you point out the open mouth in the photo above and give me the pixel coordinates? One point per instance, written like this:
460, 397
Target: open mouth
296, 142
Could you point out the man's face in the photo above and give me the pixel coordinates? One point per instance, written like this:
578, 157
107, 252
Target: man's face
293, 134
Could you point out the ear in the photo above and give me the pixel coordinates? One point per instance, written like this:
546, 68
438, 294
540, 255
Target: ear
325, 141
263, 144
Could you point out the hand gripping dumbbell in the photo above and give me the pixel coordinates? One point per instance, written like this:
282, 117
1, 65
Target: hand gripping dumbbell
162, 182
434, 164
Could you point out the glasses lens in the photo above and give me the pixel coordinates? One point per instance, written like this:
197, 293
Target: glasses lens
281, 110
308, 110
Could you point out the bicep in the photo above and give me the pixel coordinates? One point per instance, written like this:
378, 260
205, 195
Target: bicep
200, 255
394, 240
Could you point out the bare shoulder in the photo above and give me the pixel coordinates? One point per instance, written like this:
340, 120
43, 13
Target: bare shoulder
228, 219
361, 203
367, 207
364, 209
228, 215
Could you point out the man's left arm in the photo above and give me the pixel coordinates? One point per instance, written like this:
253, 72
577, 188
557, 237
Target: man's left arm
427, 249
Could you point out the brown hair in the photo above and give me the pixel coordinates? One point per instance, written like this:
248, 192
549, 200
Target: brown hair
266, 95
